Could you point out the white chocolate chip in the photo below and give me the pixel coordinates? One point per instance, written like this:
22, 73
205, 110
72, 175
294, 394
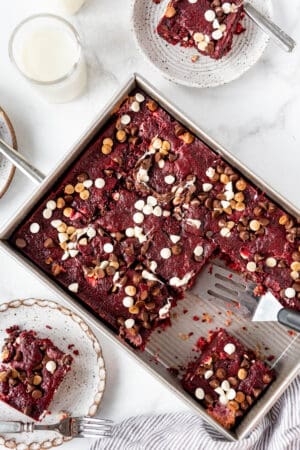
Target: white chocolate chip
139, 97
88, 184
217, 34
157, 143
129, 323
294, 275
56, 223
194, 223
138, 217
251, 266
91, 232
290, 292
51, 205
51, 366
128, 302
166, 213
225, 232
73, 253
174, 238
210, 15
34, 228
225, 385
47, 213
108, 247
271, 262
231, 394
226, 7
198, 251
199, 392
202, 46
229, 195
254, 225
135, 107
219, 391
169, 179
142, 175
208, 374
65, 256
151, 200
157, 211
153, 266
216, 24
73, 287
225, 204
193, 1
99, 183
207, 187
139, 205
129, 232
164, 311
63, 237
177, 282
161, 163
210, 173
229, 348
103, 265
165, 253
198, 37
223, 400
147, 210
125, 119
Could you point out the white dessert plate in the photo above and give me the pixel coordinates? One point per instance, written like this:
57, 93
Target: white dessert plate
81, 391
7, 169
175, 62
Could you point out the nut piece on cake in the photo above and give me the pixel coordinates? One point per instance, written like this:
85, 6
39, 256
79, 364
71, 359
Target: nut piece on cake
31, 370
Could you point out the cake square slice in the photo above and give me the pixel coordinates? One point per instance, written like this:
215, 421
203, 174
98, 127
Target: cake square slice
227, 378
207, 25
31, 371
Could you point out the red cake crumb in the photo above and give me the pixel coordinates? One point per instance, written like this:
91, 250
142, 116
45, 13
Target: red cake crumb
207, 25
31, 370
227, 378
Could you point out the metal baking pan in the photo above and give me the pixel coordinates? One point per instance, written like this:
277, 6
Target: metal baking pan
173, 347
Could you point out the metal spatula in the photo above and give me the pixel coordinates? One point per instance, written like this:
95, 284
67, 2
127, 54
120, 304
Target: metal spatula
216, 283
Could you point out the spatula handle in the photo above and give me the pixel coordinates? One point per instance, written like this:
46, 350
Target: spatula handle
289, 318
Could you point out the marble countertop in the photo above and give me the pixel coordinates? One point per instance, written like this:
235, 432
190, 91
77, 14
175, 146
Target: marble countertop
256, 117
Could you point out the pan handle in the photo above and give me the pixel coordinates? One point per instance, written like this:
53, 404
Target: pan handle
19, 161
289, 318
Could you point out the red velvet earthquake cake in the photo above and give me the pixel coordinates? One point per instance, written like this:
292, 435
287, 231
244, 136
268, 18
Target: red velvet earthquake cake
227, 378
31, 370
207, 25
130, 225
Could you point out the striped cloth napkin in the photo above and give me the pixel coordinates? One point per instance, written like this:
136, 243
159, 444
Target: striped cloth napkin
279, 430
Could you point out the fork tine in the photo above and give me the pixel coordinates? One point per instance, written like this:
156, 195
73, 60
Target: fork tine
89, 435
93, 420
103, 428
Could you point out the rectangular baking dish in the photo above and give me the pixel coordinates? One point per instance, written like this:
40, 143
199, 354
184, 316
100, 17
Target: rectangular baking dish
173, 348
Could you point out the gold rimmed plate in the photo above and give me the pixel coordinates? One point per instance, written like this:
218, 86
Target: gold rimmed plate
81, 391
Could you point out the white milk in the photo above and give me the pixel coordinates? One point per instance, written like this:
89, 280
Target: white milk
48, 52
64, 7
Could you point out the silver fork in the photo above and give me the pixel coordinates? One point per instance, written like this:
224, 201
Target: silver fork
69, 427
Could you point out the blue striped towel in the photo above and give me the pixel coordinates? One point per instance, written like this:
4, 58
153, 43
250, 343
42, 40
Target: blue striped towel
279, 430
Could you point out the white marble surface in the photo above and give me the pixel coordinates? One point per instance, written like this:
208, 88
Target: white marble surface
256, 117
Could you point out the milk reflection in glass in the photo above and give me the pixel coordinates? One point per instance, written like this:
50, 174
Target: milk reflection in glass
47, 51
65, 7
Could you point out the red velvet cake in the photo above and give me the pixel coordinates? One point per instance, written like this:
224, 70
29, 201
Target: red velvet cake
207, 25
31, 370
227, 378
149, 204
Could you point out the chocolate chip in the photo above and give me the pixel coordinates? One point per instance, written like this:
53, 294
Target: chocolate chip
179, 130
49, 243
82, 177
221, 373
267, 378
214, 384
36, 394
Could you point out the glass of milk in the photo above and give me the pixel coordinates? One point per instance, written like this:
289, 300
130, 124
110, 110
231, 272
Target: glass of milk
63, 7
46, 50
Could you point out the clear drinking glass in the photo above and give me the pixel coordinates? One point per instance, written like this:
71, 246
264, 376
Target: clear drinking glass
64, 7
47, 52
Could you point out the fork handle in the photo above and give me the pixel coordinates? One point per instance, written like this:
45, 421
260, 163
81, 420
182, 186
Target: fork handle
289, 318
16, 427
282, 39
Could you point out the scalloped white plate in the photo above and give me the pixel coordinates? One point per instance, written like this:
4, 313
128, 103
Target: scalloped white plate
81, 392
174, 62
7, 169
